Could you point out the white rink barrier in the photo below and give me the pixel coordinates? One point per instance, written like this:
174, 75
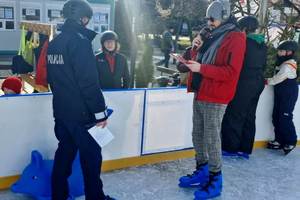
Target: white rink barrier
145, 121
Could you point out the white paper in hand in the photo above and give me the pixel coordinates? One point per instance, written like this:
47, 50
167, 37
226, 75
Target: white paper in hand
102, 136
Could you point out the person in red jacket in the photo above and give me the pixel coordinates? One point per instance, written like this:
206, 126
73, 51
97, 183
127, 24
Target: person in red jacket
219, 62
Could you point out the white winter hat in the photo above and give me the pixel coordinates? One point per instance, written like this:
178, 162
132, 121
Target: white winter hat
219, 10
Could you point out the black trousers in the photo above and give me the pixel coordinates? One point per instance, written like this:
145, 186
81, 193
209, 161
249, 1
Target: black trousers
167, 57
285, 98
73, 137
238, 125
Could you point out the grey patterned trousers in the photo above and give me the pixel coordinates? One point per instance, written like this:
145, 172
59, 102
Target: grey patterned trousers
207, 120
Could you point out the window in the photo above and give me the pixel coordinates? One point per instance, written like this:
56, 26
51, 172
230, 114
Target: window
100, 21
6, 12
31, 11
104, 28
7, 19
101, 18
55, 15
31, 14
9, 25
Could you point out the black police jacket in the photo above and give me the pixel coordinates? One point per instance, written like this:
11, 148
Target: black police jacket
73, 76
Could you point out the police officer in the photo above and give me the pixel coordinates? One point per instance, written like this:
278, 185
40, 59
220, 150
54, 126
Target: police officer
112, 66
285, 97
238, 126
77, 102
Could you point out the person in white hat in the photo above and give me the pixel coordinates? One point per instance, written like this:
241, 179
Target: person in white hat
219, 62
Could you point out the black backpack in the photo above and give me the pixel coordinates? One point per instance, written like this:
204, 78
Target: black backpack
20, 66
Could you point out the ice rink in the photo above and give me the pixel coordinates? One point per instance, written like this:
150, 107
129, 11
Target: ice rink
268, 175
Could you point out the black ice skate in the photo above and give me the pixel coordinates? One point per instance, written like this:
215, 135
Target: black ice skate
288, 148
274, 145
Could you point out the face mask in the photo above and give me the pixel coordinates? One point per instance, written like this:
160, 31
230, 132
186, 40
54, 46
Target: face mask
282, 59
84, 21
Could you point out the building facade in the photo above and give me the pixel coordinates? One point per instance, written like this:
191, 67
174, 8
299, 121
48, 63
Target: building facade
12, 12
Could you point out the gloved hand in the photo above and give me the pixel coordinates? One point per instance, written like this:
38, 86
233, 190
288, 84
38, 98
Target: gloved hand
205, 34
197, 43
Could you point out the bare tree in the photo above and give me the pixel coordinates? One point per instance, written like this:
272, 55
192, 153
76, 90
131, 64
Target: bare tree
246, 7
183, 12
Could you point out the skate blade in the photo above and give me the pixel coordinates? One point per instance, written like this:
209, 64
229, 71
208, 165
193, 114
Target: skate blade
195, 185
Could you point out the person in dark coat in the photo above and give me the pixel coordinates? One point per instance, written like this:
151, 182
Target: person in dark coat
112, 66
286, 91
78, 102
238, 126
167, 47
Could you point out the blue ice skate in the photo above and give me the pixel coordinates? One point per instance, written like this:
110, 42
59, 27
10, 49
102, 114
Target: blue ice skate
244, 155
212, 189
229, 154
198, 178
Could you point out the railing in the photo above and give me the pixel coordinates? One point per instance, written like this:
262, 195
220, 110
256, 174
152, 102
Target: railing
145, 121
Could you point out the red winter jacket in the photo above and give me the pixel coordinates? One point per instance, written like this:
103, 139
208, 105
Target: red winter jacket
219, 80
41, 68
